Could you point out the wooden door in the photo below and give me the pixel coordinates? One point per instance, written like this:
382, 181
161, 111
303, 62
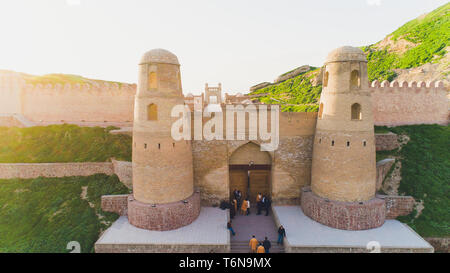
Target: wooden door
259, 183
239, 180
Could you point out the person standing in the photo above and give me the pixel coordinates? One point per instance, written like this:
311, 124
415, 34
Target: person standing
244, 208
239, 198
267, 204
248, 206
230, 228
267, 245
259, 203
260, 249
281, 234
253, 244
233, 209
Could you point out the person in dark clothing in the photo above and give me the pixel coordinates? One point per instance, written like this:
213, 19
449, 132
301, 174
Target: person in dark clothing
230, 228
238, 197
281, 234
266, 244
232, 209
267, 204
259, 205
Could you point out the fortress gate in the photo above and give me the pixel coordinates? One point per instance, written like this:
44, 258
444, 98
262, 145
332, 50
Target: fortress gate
250, 172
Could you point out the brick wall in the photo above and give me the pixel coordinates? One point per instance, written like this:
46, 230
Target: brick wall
124, 170
383, 167
115, 203
34, 170
386, 142
405, 103
439, 244
398, 205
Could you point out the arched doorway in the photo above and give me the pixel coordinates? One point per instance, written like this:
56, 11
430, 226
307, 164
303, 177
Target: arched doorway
250, 171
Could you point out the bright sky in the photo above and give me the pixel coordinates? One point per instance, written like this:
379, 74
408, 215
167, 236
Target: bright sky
237, 42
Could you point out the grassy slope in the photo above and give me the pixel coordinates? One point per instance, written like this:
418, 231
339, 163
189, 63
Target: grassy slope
431, 35
62, 143
60, 79
44, 214
425, 176
297, 90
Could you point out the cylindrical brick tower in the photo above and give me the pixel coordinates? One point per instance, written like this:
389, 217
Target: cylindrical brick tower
163, 188
343, 167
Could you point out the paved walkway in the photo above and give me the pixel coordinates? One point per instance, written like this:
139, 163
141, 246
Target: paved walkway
258, 225
210, 228
301, 231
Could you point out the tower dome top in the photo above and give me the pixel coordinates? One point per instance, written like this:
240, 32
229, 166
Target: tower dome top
346, 53
159, 55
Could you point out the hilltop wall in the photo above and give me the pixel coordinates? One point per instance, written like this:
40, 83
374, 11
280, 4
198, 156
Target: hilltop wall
394, 103
75, 103
406, 103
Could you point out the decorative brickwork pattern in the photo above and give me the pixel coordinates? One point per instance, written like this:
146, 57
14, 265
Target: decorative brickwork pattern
163, 216
115, 203
343, 215
397, 205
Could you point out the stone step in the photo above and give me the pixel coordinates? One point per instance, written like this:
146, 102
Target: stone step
242, 247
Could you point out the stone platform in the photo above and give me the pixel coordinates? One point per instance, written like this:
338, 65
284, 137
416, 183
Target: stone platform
305, 235
208, 233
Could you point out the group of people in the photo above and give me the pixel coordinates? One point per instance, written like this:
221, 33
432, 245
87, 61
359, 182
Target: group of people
259, 247
263, 202
243, 206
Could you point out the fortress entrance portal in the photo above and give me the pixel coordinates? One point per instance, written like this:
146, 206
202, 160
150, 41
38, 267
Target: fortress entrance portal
250, 172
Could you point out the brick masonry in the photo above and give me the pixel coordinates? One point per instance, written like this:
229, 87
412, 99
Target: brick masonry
343, 215
133, 248
34, 170
116, 203
124, 170
163, 216
386, 142
440, 244
397, 205
383, 167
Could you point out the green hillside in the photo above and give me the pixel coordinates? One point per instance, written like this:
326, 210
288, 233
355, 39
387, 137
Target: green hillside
425, 176
427, 38
420, 41
45, 214
62, 143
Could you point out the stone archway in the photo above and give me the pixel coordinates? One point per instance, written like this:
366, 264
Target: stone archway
250, 171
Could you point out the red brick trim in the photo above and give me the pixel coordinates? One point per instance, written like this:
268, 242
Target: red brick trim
163, 216
115, 203
398, 205
343, 215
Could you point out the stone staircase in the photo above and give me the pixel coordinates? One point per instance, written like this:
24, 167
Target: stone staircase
242, 247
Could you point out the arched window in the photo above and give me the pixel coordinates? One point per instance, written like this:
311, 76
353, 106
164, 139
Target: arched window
152, 112
320, 110
356, 112
325, 79
355, 81
152, 80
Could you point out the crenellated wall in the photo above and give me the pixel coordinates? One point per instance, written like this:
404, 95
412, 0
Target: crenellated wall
76, 103
394, 103
402, 103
